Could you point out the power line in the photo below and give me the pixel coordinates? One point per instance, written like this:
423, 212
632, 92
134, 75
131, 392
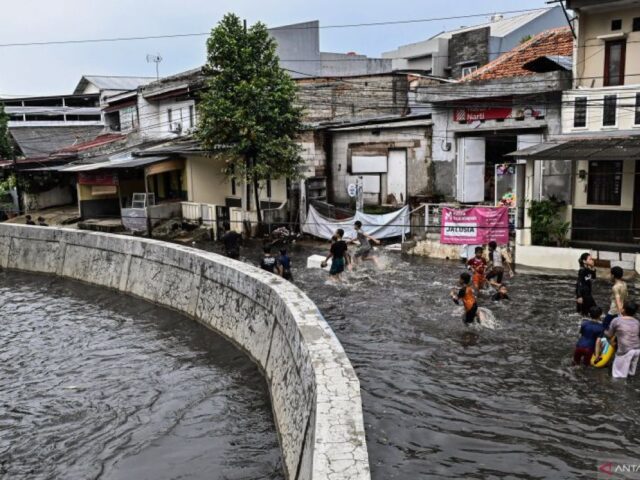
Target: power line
292, 27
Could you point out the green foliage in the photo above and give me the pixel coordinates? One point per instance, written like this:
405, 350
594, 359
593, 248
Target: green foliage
525, 39
547, 228
6, 147
7, 184
249, 104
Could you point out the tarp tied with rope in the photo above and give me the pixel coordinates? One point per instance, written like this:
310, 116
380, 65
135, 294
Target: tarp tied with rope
389, 225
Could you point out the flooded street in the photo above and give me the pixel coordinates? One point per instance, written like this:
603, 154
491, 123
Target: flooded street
445, 401
97, 385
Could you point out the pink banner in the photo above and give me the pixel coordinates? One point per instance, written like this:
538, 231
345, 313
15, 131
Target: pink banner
475, 226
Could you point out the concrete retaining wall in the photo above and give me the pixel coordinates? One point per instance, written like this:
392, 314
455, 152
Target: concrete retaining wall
314, 390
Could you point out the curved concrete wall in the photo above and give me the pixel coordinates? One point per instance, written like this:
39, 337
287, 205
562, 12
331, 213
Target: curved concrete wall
314, 390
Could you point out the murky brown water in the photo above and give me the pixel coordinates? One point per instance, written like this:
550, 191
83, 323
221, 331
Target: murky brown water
445, 401
97, 385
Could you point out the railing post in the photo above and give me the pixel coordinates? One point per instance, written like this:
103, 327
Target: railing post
426, 219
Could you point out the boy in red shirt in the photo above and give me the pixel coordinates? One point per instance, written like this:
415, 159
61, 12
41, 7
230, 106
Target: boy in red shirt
478, 266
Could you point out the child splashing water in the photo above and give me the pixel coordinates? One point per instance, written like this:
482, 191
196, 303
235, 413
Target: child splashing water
478, 265
467, 296
365, 250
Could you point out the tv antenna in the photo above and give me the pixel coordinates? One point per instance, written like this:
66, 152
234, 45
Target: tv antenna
155, 59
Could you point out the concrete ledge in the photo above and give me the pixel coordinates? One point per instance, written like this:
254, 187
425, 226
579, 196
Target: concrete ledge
314, 390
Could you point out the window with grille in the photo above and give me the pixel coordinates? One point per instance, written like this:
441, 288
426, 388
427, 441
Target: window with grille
580, 112
605, 183
609, 111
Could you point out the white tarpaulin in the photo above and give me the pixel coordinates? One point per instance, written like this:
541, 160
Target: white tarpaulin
389, 225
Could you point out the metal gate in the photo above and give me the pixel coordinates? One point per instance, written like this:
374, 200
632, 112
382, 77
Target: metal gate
222, 216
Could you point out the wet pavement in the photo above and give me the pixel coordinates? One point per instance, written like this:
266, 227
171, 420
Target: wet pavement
97, 385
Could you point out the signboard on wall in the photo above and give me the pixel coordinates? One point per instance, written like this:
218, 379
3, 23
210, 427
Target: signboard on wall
474, 226
369, 164
497, 113
98, 179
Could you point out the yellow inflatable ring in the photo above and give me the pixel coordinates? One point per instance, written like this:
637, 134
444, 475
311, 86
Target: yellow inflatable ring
605, 357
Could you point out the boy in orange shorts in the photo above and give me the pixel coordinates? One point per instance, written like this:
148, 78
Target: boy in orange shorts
478, 265
468, 298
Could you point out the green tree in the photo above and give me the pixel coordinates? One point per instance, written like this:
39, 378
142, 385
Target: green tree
248, 106
6, 147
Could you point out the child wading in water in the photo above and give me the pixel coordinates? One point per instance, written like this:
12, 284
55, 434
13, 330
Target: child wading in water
338, 255
478, 266
586, 276
619, 295
590, 331
364, 251
626, 328
285, 262
497, 261
468, 298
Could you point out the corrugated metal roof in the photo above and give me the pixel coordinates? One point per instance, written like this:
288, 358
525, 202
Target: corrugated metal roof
39, 141
500, 28
621, 148
127, 161
107, 82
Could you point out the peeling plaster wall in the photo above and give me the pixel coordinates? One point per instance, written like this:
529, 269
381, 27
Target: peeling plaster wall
314, 390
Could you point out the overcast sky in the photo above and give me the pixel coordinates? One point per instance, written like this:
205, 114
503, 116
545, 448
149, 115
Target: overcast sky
56, 69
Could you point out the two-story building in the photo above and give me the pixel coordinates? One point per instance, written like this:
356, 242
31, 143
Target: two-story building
600, 138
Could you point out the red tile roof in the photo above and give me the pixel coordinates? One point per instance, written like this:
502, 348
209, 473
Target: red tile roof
99, 141
555, 42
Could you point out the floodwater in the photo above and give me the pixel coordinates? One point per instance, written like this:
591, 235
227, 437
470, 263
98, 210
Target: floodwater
442, 400
97, 385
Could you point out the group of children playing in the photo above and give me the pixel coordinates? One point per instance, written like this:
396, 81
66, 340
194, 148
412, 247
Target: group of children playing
279, 265
618, 329
481, 274
339, 251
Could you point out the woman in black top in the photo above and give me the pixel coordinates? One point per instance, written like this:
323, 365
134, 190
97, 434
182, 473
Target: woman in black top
586, 276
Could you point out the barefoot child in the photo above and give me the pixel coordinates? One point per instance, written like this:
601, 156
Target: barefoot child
365, 250
338, 255
468, 298
270, 263
626, 328
285, 262
478, 266
619, 295
590, 330
497, 263
501, 294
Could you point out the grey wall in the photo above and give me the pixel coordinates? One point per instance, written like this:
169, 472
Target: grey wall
315, 393
299, 42
415, 140
471, 46
446, 131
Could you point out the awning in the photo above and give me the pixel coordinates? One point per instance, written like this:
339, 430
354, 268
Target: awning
166, 166
117, 162
610, 148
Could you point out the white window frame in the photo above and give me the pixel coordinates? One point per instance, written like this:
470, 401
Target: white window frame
468, 70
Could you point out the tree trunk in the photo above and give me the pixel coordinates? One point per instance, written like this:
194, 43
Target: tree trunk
256, 194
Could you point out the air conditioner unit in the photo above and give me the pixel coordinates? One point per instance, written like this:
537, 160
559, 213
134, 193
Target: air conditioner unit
175, 127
